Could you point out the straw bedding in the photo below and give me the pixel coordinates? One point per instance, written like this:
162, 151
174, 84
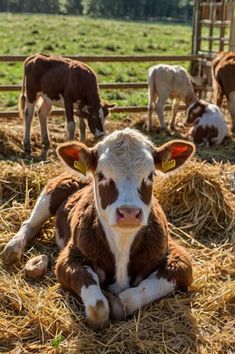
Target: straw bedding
37, 316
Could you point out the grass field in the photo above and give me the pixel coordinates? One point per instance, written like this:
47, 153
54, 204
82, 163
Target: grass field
29, 34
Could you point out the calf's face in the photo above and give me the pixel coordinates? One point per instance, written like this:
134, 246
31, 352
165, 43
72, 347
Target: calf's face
96, 116
195, 112
123, 167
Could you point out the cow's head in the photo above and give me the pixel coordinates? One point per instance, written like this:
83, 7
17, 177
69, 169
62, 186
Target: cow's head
95, 116
123, 166
195, 111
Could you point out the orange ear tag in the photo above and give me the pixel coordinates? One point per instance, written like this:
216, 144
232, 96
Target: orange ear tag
80, 166
168, 165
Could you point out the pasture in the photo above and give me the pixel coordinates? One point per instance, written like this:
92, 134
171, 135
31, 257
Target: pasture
38, 316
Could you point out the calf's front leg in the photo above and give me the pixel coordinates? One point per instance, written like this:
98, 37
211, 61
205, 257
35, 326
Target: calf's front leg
68, 105
175, 273
84, 282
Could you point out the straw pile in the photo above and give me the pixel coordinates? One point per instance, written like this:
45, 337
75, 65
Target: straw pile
198, 199
36, 316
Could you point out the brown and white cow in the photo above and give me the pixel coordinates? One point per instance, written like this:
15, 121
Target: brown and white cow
208, 124
223, 74
111, 230
66, 83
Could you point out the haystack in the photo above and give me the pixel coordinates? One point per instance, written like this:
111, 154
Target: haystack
37, 316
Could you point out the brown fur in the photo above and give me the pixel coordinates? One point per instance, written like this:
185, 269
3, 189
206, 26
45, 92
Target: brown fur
87, 245
196, 111
146, 192
223, 70
108, 193
200, 134
56, 76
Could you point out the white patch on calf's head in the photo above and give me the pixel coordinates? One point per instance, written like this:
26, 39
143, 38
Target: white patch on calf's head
125, 158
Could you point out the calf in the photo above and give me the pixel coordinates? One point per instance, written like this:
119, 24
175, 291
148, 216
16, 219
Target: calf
62, 82
166, 81
223, 74
111, 230
209, 126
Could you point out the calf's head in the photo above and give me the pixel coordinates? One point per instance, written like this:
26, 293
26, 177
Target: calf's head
123, 166
195, 111
96, 116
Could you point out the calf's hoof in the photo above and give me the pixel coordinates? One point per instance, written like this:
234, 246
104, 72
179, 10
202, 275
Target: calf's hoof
12, 252
27, 148
117, 312
98, 315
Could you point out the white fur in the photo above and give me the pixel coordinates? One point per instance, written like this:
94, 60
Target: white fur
213, 117
147, 291
91, 294
127, 161
41, 212
166, 81
59, 240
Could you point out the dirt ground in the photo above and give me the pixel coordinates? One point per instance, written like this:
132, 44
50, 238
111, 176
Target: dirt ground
11, 136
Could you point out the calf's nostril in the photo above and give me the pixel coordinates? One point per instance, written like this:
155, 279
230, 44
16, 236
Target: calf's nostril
129, 213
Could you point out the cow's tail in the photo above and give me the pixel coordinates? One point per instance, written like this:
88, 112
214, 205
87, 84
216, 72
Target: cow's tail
22, 97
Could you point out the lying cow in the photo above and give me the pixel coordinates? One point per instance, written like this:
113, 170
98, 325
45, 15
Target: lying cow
223, 73
61, 82
111, 230
209, 126
166, 81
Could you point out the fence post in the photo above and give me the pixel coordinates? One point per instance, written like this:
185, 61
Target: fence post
232, 28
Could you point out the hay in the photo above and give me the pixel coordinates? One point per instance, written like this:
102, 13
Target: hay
198, 199
39, 317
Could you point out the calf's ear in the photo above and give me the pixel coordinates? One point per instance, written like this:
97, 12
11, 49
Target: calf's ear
78, 157
173, 155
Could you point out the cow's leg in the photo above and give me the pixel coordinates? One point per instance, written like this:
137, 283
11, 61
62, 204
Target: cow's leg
84, 282
43, 113
231, 109
82, 127
175, 107
174, 273
68, 105
151, 105
28, 116
218, 95
160, 109
14, 249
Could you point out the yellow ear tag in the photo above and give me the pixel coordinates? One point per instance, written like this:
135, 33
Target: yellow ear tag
80, 166
168, 165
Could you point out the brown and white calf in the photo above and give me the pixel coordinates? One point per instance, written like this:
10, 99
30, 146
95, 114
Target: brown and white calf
166, 81
208, 124
223, 74
61, 82
111, 230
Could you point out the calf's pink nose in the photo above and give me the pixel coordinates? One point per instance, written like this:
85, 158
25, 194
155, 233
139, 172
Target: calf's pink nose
125, 214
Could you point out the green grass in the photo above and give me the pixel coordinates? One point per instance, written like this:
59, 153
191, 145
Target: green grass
29, 34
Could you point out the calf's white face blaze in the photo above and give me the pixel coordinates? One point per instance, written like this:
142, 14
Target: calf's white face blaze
123, 166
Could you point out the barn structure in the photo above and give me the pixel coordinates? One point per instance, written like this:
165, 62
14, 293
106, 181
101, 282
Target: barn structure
213, 32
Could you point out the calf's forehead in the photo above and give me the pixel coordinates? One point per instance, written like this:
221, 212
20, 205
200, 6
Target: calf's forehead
125, 156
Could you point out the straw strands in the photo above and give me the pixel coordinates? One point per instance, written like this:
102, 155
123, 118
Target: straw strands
37, 316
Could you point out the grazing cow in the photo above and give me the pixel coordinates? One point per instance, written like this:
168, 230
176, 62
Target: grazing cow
209, 126
223, 74
111, 230
166, 81
62, 82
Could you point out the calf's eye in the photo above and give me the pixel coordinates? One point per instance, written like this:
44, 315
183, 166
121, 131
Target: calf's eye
150, 176
100, 177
